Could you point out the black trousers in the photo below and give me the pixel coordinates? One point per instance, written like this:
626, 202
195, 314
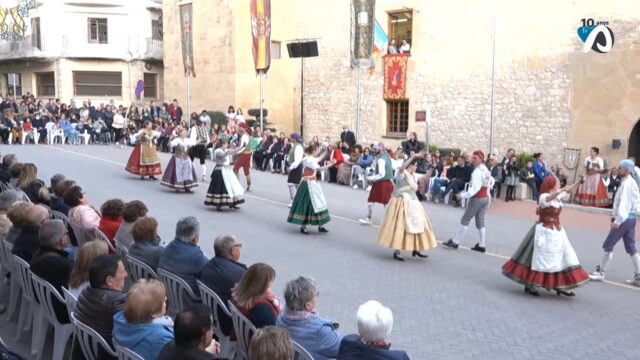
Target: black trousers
198, 151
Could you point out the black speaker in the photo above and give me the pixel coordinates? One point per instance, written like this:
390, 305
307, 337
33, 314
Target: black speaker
304, 49
616, 143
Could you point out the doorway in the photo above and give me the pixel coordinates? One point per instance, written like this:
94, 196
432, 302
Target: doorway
634, 142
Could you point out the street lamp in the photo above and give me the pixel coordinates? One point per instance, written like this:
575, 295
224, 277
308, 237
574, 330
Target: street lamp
363, 23
493, 85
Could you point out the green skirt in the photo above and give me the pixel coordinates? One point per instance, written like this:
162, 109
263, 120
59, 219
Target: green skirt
302, 212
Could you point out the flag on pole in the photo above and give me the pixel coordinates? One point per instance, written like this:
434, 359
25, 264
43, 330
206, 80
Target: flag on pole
186, 23
380, 40
261, 31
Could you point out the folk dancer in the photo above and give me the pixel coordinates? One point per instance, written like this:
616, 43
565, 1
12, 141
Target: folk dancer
479, 199
199, 138
310, 206
296, 154
180, 174
144, 160
593, 191
405, 225
225, 189
382, 188
545, 258
623, 223
243, 160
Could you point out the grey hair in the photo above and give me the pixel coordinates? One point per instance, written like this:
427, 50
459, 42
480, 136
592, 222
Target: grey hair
223, 244
10, 197
187, 228
55, 179
375, 321
299, 292
9, 160
51, 232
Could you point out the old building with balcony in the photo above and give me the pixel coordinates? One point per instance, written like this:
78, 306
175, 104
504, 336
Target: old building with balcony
86, 49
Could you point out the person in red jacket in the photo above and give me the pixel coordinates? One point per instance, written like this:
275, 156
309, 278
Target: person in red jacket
335, 154
111, 218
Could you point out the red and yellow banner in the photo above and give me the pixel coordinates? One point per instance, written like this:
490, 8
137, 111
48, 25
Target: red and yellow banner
395, 76
261, 31
186, 23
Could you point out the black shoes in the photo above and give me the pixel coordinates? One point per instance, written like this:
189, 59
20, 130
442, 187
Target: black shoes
451, 244
323, 230
565, 293
396, 255
152, 178
531, 291
419, 254
479, 248
304, 231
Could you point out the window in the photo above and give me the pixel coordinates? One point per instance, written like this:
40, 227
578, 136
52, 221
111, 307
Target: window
45, 84
400, 25
397, 117
36, 42
14, 84
97, 83
98, 31
156, 30
150, 86
275, 49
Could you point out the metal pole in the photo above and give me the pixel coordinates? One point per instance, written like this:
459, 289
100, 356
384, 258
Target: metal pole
302, 99
426, 126
261, 101
359, 104
189, 100
14, 85
493, 89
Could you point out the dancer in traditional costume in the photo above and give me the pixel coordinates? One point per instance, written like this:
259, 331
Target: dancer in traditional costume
144, 160
296, 154
180, 174
405, 225
545, 258
623, 223
243, 159
310, 206
198, 139
479, 199
382, 188
225, 189
592, 191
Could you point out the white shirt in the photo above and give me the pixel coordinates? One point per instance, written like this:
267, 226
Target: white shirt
298, 154
598, 160
480, 177
626, 200
311, 163
118, 122
405, 48
382, 172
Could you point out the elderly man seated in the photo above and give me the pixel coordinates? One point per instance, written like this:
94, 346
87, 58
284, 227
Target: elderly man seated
28, 241
306, 327
193, 336
182, 256
374, 326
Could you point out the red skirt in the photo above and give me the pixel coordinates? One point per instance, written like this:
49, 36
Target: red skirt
134, 167
599, 199
381, 192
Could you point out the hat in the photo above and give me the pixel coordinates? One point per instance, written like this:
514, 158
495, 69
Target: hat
297, 137
479, 154
246, 127
628, 164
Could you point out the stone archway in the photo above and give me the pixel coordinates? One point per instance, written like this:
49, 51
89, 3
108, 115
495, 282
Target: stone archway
634, 142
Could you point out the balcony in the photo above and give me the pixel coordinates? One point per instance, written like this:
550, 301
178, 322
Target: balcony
27, 48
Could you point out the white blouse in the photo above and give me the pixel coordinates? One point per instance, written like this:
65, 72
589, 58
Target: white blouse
598, 160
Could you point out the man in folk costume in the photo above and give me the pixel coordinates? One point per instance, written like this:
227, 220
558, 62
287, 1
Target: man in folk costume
243, 160
199, 138
479, 199
623, 223
296, 154
382, 188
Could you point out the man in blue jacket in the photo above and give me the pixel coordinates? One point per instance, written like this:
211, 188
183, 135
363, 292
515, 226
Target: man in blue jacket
539, 170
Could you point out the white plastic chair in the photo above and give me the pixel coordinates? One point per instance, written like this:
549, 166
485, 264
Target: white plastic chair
176, 289
464, 201
101, 236
54, 134
139, 270
300, 353
243, 329
121, 250
60, 216
7, 261
89, 340
84, 137
213, 301
46, 295
33, 134
125, 353
78, 232
30, 312
70, 300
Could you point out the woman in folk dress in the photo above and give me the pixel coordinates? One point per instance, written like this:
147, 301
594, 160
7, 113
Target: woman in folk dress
592, 191
144, 160
225, 188
405, 225
545, 258
180, 174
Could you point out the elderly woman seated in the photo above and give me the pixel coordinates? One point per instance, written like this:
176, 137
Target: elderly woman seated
374, 326
81, 212
271, 343
145, 246
306, 327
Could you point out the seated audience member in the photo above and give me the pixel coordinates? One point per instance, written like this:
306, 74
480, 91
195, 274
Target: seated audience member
51, 262
81, 212
103, 298
5, 171
412, 145
57, 202
182, 256
253, 296
281, 155
364, 161
55, 179
7, 199
141, 326
344, 173
79, 278
527, 176
28, 241
271, 343
15, 170
375, 323
223, 272
317, 335
442, 181
111, 218
130, 213
145, 246
29, 183
336, 157
16, 214
193, 336
458, 176
563, 178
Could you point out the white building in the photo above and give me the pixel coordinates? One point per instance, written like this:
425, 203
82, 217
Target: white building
82, 49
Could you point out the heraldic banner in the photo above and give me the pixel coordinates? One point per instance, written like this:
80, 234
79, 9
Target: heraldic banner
261, 31
186, 23
395, 76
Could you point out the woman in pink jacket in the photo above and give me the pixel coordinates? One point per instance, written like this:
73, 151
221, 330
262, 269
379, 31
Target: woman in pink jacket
81, 213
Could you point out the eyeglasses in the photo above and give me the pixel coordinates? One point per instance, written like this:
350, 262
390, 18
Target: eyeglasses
237, 245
